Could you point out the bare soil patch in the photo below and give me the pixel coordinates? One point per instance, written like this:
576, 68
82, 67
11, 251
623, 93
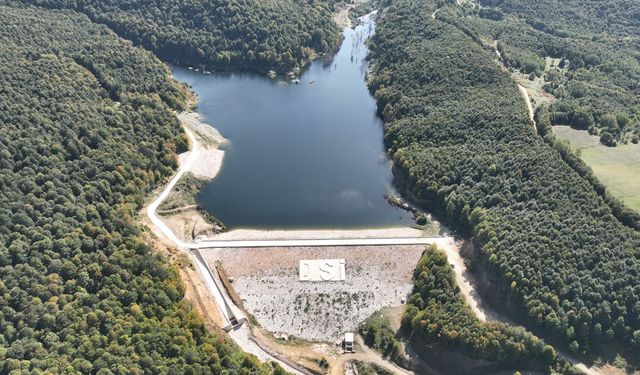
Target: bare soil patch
206, 134
180, 211
190, 224
341, 15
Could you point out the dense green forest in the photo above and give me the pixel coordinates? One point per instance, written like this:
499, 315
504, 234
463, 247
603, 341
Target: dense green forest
366, 7
438, 314
460, 137
596, 44
87, 131
218, 34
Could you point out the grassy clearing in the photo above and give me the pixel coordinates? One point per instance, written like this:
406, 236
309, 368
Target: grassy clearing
616, 167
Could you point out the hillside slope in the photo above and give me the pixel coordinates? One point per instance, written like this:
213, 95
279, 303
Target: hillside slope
595, 45
218, 34
87, 131
459, 135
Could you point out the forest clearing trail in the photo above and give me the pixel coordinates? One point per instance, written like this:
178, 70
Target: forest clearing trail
525, 96
472, 297
527, 100
467, 284
474, 300
521, 88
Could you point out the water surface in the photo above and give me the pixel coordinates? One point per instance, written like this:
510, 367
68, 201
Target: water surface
300, 155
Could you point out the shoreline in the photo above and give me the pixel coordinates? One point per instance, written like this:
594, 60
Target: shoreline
200, 164
240, 234
207, 161
209, 157
204, 160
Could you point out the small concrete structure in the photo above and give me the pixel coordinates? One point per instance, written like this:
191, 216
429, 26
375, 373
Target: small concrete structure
231, 314
347, 343
322, 270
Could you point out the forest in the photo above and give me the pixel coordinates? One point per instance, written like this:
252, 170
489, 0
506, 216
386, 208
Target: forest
596, 45
437, 313
461, 140
218, 34
87, 131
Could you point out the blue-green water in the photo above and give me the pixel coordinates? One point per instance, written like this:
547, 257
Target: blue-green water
300, 155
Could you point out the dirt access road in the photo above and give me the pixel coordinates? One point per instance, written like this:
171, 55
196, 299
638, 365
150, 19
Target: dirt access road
365, 354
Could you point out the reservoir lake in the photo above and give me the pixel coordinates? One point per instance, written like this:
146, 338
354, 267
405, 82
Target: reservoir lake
307, 155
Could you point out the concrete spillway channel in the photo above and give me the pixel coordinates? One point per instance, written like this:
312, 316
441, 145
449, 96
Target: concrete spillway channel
231, 314
233, 318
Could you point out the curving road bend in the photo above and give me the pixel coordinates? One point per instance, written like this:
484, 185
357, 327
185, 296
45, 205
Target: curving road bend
151, 209
240, 336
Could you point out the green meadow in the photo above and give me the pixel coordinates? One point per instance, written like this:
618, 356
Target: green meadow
616, 167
